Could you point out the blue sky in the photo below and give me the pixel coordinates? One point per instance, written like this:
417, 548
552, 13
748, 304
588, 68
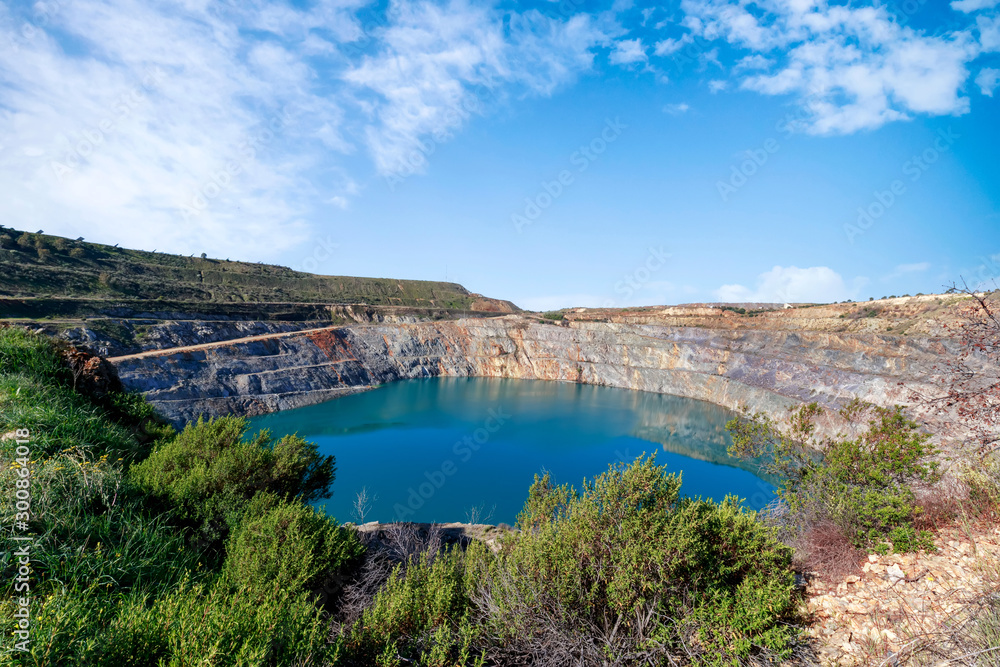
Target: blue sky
558, 154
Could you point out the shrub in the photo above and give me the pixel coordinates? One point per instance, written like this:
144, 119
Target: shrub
77, 253
113, 582
199, 623
287, 545
647, 567
421, 614
625, 571
553, 315
983, 483
91, 528
862, 485
209, 471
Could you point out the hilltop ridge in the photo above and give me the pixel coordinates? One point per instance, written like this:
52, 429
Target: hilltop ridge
53, 276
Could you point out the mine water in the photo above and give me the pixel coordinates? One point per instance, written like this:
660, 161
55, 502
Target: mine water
459, 449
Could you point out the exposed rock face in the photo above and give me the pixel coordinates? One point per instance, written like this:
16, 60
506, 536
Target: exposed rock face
767, 370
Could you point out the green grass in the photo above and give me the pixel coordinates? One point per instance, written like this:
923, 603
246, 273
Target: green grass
89, 271
120, 577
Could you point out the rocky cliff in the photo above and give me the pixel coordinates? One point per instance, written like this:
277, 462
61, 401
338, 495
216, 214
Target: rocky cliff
765, 368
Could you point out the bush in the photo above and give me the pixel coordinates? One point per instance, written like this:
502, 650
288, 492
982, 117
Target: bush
553, 315
287, 545
208, 472
113, 582
983, 484
647, 567
625, 571
40, 397
194, 624
422, 614
862, 485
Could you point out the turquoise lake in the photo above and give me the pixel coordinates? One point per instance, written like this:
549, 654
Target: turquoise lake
435, 449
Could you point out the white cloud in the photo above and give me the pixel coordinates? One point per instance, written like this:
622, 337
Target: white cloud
972, 5
716, 86
989, 32
904, 269
676, 109
756, 61
732, 22
669, 46
628, 51
437, 65
818, 284
221, 152
128, 135
987, 80
852, 68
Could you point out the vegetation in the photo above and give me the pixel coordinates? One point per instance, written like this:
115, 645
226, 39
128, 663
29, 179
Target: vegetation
864, 486
974, 388
118, 579
207, 474
625, 571
41, 266
554, 315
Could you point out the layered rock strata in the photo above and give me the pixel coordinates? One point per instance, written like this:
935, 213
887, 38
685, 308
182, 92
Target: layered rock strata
766, 370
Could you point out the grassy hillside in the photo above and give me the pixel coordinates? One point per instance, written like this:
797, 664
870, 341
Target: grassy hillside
43, 266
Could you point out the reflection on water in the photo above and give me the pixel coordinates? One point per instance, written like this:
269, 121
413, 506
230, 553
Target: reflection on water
433, 449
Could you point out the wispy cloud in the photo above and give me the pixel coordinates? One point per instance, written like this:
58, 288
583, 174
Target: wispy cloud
819, 284
628, 51
249, 103
676, 109
852, 68
973, 5
905, 269
987, 80
200, 126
